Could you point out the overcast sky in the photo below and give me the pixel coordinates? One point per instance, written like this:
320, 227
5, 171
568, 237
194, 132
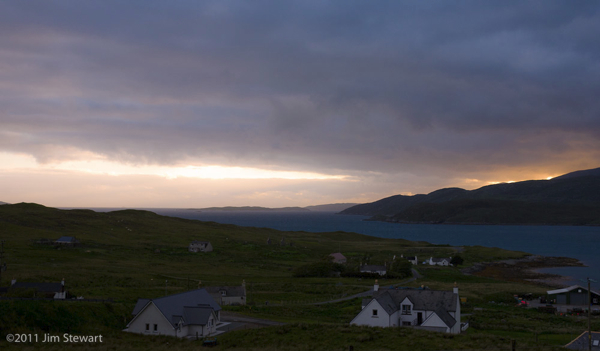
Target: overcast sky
284, 103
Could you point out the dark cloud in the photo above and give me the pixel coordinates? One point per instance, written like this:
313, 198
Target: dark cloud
323, 86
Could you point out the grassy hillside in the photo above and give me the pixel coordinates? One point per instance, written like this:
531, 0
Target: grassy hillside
130, 254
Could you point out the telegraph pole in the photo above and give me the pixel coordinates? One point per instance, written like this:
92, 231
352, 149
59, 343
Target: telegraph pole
2, 264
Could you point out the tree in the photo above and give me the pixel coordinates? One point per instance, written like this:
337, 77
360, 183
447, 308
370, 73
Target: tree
456, 260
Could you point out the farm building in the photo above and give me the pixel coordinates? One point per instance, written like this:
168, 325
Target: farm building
200, 246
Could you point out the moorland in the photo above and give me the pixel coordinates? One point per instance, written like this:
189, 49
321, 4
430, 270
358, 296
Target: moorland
131, 254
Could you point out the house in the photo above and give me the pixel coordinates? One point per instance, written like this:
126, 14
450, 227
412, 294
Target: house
41, 290
413, 260
573, 295
418, 308
66, 240
338, 258
188, 314
439, 261
369, 268
228, 295
200, 246
582, 342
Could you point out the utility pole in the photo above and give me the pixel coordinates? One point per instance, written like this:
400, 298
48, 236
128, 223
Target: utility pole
2, 264
589, 288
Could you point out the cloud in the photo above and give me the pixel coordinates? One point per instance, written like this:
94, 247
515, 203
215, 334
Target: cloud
347, 87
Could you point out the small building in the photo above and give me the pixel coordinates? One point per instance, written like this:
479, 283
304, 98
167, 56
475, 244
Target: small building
371, 268
55, 291
189, 314
582, 342
66, 240
439, 261
413, 260
200, 246
418, 308
573, 295
228, 295
338, 258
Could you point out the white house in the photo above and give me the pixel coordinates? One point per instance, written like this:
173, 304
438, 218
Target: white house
192, 313
228, 295
49, 290
370, 268
413, 260
439, 261
200, 246
418, 308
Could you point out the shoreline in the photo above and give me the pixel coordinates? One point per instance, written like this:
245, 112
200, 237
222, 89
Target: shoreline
524, 270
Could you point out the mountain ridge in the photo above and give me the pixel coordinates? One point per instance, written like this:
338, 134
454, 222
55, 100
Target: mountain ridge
571, 199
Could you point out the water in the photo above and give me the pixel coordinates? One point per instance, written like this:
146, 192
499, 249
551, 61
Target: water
581, 243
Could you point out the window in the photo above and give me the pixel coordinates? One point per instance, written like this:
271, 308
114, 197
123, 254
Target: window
406, 309
156, 327
406, 324
147, 327
374, 313
223, 292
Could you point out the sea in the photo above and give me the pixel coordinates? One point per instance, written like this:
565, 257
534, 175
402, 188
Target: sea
580, 242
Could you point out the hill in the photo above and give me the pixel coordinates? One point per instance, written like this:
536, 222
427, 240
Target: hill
571, 199
330, 207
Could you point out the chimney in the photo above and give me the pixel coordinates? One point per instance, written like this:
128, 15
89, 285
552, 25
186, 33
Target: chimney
199, 284
13, 282
455, 289
376, 286
62, 288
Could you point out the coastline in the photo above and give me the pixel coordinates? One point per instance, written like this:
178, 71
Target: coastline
525, 270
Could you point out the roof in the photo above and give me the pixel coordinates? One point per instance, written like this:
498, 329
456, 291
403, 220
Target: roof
338, 256
411, 258
434, 259
568, 289
173, 307
41, 287
196, 315
581, 342
230, 290
66, 239
200, 242
372, 268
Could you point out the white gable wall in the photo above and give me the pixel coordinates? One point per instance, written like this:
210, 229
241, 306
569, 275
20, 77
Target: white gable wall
435, 321
151, 315
366, 317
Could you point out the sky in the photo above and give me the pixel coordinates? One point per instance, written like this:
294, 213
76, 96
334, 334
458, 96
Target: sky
290, 103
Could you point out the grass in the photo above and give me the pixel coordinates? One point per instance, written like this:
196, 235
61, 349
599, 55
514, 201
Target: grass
126, 255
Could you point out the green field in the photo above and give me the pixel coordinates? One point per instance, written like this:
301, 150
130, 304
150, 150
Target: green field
126, 255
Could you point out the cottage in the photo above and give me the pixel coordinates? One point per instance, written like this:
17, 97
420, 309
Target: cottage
338, 258
188, 314
370, 268
582, 342
200, 246
439, 261
228, 295
66, 240
42, 290
417, 308
413, 260
573, 295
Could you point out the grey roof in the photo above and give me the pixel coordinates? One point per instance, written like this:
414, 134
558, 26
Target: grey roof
581, 342
229, 290
372, 268
569, 289
338, 256
411, 258
445, 317
41, 287
434, 259
196, 315
173, 306
200, 242
66, 239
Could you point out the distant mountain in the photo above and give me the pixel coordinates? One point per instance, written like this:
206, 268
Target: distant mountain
4, 203
330, 207
251, 209
571, 199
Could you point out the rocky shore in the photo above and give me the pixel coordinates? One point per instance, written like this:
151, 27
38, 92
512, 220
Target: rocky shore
524, 270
